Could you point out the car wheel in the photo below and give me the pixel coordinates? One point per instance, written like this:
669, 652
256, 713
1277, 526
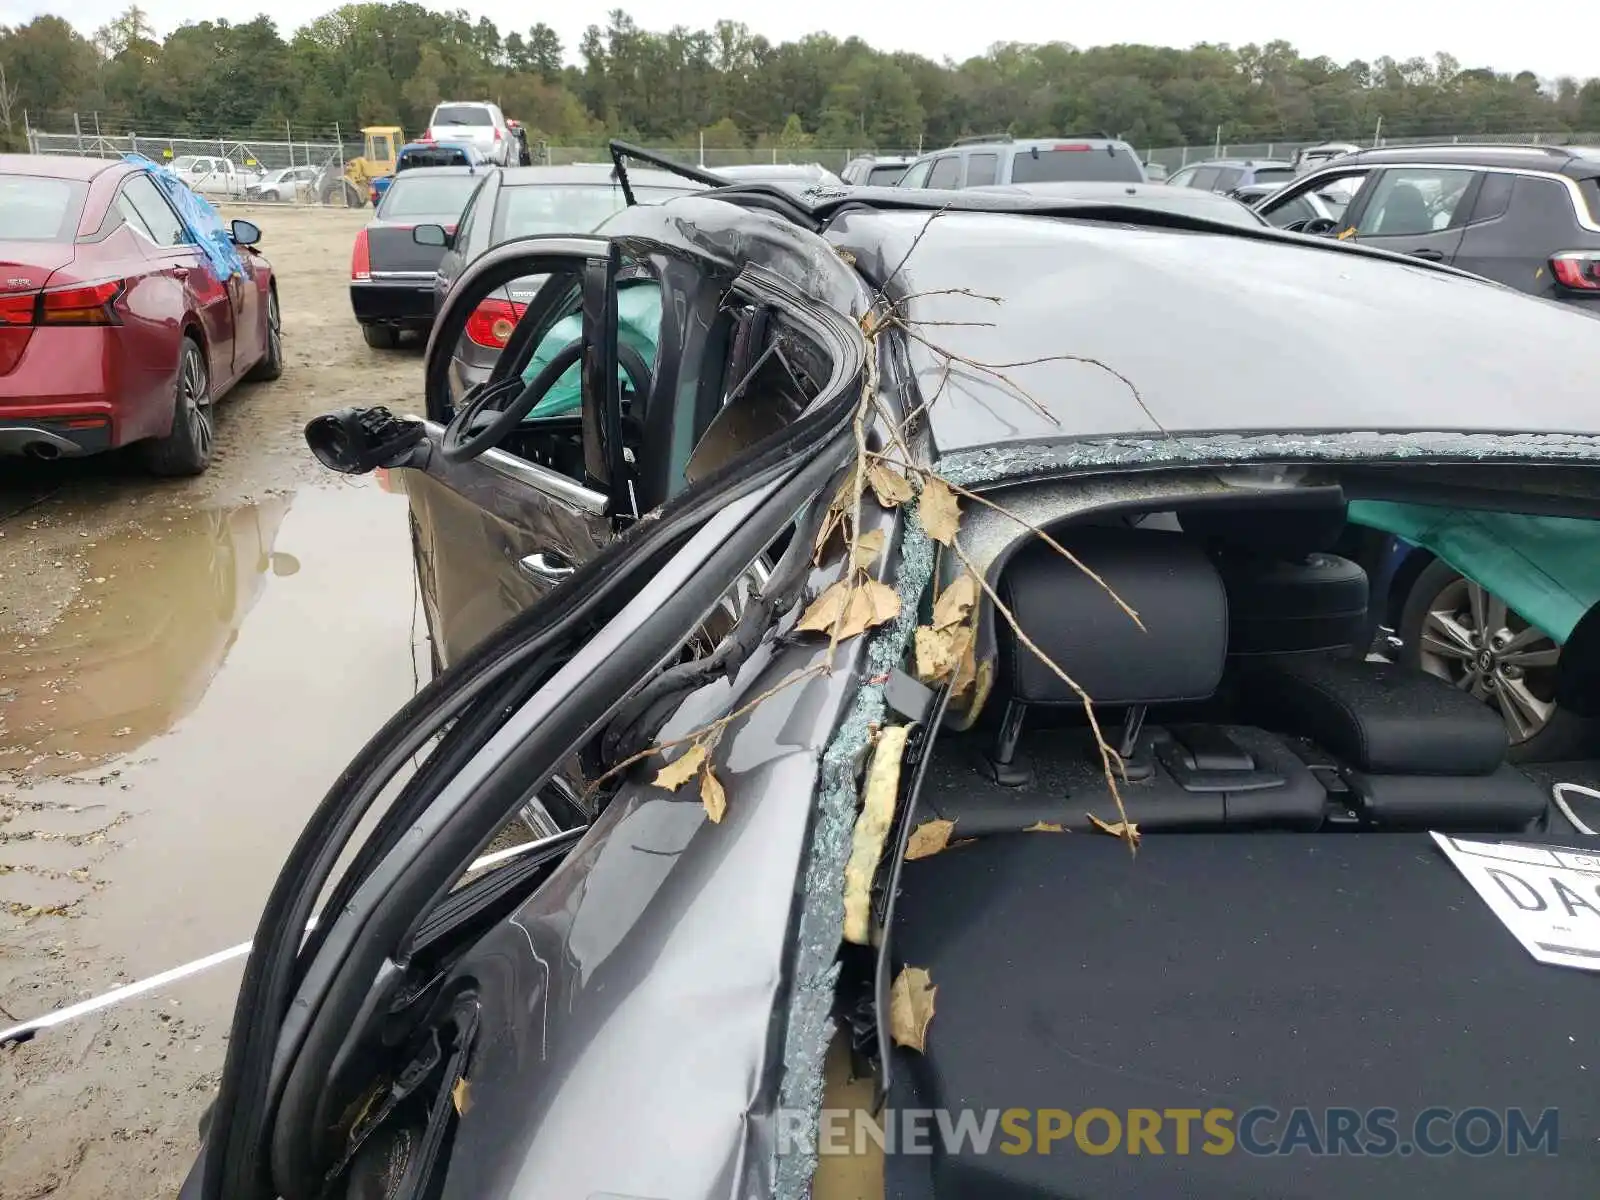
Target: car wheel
381, 337
271, 365
1461, 632
186, 450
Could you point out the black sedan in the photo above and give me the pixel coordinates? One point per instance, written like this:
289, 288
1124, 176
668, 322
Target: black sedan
391, 273
806, 698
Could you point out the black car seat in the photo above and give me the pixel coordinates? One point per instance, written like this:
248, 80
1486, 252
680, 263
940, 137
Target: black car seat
1180, 775
1405, 212
1405, 748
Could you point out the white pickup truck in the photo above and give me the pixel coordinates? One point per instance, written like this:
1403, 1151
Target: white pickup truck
213, 175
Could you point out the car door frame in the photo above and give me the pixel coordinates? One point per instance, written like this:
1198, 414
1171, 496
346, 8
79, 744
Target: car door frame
531, 525
659, 588
1316, 181
1436, 245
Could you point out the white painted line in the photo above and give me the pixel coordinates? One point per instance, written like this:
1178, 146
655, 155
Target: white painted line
175, 974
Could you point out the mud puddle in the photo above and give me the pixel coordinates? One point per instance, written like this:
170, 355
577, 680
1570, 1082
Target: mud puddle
162, 742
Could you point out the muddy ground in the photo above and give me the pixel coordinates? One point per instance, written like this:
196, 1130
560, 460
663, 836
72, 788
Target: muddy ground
184, 669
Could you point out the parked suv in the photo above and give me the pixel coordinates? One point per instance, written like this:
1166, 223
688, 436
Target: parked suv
480, 123
1526, 216
1225, 174
981, 161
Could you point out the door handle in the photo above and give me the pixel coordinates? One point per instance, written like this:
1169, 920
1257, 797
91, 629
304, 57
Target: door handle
1429, 255
542, 567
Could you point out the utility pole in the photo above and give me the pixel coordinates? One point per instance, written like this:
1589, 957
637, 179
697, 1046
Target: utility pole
1377, 133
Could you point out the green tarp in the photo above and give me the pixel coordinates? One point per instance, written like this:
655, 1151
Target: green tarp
1547, 569
638, 326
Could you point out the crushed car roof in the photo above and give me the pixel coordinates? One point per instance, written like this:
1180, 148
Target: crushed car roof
1212, 331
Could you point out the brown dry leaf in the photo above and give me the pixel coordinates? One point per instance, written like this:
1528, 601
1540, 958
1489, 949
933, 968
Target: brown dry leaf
955, 602
928, 839
838, 518
888, 485
941, 514
712, 795
853, 609
872, 830
461, 1093
1044, 827
868, 547
681, 769
1126, 830
940, 652
911, 1007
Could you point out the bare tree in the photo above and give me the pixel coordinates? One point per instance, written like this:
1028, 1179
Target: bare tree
8, 99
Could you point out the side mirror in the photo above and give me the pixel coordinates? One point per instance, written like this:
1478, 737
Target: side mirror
244, 233
431, 235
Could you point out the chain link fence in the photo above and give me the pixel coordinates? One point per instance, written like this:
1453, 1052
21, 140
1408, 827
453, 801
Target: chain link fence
1173, 157
327, 165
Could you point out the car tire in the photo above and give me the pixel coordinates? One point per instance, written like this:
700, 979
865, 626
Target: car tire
1562, 736
381, 337
186, 450
271, 365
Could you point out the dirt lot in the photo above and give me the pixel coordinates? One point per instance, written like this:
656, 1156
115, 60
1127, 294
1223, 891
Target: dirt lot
184, 669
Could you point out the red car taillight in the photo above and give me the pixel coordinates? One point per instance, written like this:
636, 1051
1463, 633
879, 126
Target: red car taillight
1577, 269
80, 304
372, 194
492, 323
86, 304
17, 308
497, 136
361, 258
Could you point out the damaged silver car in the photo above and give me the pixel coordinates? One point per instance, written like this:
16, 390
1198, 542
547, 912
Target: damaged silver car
952, 667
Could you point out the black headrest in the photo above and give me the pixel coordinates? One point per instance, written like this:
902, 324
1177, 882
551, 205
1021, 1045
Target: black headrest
1165, 577
1295, 525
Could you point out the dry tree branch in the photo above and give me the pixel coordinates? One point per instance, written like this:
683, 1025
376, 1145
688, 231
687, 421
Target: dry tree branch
1110, 761
954, 291
912, 249
995, 371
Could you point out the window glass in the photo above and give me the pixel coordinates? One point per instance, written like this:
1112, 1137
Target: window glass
1227, 179
462, 114
981, 169
946, 172
885, 176
1273, 174
1091, 163
36, 209
917, 176
1181, 178
1205, 177
425, 195
159, 220
564, 208
1494, 197
1413, 200
1336, 194
1290, 212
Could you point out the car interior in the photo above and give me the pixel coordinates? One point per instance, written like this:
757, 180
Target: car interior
767, 381
1074, 975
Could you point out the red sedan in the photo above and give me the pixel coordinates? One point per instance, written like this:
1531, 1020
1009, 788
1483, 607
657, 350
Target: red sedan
115, 328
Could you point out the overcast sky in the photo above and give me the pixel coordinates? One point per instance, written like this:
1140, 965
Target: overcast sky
1544, 36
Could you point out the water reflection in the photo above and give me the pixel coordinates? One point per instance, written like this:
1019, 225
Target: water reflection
161, 604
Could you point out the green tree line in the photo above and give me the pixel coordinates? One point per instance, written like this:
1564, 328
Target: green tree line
390, 63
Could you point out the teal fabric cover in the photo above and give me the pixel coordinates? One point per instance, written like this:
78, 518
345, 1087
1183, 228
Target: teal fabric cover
638, 326
1547, 569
